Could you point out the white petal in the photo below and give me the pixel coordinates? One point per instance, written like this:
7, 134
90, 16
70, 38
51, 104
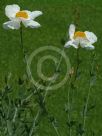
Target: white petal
70, 43
31, 24
88, 46
91, 37
84, 42
11, 25
35, 14
91, 47
11, 10
71, 31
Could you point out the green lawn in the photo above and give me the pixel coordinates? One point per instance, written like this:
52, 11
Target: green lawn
56, 18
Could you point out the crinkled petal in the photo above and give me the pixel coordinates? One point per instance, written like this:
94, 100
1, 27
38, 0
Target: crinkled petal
89, 47
31, 24
11, 10
70, 43
11, 25
35, 14
71, 31
91, 37
84, 42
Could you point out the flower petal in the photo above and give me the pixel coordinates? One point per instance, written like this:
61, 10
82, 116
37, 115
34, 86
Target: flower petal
91, 37
31, 24
84, 42
11, 10
35, 14
11, 25
71, 31
70, 43
89, 47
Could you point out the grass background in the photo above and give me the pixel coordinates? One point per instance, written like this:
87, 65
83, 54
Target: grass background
57, 16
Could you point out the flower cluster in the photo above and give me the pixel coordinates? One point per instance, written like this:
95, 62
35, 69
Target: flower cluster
77, 39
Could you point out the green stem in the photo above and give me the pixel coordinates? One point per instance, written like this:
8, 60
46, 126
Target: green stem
22, 47
72, 82
56, 130
88, 95
15, 114
61, 57
86, 108
25, 60
69, 105
69, 108
77, 67
22, 44
34, 123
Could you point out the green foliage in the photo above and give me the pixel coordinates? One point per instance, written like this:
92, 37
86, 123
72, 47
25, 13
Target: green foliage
22, 110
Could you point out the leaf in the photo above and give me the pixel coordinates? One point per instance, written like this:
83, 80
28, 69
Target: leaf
20, 81
71, 123
80, 129
9, 127
93, 80
91, 107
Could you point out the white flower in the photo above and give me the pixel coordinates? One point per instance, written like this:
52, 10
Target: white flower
79, 38
17, 16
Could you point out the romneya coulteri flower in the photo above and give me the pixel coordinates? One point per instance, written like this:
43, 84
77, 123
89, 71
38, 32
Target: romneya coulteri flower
78, 38
17, 16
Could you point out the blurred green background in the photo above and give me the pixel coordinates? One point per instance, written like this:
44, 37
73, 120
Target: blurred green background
56, 18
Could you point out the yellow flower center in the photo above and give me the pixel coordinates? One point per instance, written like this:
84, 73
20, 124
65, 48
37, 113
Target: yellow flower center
22, 14
79, 34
